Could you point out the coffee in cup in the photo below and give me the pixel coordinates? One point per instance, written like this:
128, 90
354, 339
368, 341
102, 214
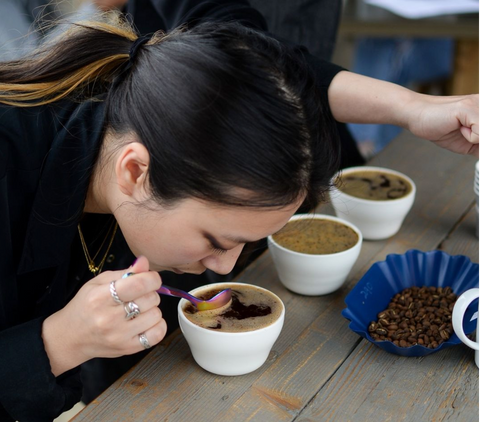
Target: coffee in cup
250, 309
316, 236
374, 185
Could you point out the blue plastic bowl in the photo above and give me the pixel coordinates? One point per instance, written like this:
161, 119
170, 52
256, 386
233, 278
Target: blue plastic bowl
385, 279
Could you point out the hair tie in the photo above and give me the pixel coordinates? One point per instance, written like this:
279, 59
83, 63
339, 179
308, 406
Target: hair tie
137, 44
132, 54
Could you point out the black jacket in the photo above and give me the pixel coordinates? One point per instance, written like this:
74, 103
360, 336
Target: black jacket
47, 154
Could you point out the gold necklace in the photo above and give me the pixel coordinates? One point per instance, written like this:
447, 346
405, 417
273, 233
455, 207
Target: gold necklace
91, 261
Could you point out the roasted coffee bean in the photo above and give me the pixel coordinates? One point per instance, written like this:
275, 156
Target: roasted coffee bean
384, 322
381, 331
417, 315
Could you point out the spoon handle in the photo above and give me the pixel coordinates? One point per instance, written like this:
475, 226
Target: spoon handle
172, 291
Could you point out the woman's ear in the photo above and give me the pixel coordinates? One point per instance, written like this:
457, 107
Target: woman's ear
131, 170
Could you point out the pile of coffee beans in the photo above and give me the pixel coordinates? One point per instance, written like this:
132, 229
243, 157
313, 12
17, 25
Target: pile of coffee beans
417, 315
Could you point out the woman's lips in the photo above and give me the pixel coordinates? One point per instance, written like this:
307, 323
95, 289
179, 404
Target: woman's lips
177, 271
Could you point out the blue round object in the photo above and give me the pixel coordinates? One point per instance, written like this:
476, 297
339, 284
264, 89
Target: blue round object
385, 279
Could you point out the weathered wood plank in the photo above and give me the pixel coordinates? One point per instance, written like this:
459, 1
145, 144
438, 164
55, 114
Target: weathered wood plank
315, 341
463, 240
373, 385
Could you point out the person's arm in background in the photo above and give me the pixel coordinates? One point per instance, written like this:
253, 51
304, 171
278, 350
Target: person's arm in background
449, 121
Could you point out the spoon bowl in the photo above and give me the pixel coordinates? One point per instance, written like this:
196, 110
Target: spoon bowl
220, 300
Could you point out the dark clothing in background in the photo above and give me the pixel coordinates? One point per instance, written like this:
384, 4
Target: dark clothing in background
314, 25
311, 23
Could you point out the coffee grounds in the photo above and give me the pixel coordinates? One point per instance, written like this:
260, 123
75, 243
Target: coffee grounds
250, 309
417, 315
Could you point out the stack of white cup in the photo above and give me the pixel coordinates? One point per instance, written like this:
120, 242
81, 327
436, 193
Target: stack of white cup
475, 189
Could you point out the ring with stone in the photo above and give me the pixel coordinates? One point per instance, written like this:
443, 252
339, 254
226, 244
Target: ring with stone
113, 292
132, 310
144, 341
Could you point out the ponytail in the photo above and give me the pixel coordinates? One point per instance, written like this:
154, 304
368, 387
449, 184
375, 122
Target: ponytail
79, 64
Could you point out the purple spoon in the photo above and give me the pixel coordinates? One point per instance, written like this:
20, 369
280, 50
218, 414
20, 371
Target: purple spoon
220, 299
217, 301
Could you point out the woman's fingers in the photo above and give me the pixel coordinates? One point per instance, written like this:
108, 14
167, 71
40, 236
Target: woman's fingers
105, 320
146, 302
151, 337
137, 285
149, 323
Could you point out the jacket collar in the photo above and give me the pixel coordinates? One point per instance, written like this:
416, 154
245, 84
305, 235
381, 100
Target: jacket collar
62, 188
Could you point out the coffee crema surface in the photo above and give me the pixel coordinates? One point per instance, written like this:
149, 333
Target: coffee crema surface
316, 236
374, 185
251, 309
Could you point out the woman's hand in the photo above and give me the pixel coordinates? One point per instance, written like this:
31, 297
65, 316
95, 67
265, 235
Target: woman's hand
92, 324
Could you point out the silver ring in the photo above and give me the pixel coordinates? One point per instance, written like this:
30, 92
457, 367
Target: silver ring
132, 310
113, 292
144, 341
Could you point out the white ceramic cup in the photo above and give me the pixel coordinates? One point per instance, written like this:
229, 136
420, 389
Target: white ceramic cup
375, 219
225, 353
314, 275
461, 305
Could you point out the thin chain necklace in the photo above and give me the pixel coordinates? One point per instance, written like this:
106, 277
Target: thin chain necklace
96, 269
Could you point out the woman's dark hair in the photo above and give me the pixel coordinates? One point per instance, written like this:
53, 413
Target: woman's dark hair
228, 114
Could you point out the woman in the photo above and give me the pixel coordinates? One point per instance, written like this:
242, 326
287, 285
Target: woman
190, 173
178, 147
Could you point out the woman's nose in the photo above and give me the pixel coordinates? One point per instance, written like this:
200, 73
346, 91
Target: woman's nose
223, 264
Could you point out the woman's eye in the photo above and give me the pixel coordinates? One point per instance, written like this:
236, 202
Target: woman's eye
217, 250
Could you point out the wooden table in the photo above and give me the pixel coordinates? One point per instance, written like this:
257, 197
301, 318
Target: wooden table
363, 20
318, 369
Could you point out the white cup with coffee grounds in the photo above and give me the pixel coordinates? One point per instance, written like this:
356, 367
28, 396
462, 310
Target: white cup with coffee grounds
461, 306
314, 253
237, 338
375, 199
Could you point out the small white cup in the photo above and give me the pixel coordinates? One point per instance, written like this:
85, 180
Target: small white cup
314, 275
225, 353
375, 219
461, 305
